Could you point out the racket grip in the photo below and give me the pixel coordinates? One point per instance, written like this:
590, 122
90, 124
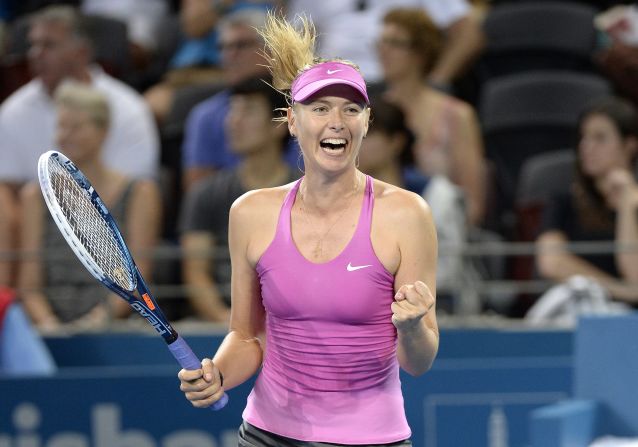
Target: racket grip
188, 360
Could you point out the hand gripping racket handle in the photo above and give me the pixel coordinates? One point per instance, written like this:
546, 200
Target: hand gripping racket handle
188, 360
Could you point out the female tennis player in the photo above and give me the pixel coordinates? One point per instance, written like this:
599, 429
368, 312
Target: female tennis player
338, 269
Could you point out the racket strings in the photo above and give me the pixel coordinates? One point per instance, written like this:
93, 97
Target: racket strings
89, 227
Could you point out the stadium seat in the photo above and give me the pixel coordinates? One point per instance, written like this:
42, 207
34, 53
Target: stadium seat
523, 36
605, 387
542, 176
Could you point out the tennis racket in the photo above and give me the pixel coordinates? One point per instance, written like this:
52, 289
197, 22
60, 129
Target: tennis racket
94, 237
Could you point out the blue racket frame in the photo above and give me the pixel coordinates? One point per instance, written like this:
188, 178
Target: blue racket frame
155, 317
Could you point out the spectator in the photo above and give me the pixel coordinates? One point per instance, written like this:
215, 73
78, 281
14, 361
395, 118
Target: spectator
57, 291
59, 50
205, 148
259, 143
448, 138
602, 204
464, 39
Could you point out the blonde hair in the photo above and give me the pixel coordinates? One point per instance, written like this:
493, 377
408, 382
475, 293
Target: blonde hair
86, 99
290, 51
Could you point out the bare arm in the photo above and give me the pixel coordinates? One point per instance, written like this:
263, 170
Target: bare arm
203, 293
463, 43
30, 281
622, 185
555, 262
240, 354
414, 308
8, 220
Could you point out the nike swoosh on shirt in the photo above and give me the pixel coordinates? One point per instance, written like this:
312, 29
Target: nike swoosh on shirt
331, 72
352, 268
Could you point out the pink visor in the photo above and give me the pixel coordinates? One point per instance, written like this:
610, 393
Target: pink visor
322, 75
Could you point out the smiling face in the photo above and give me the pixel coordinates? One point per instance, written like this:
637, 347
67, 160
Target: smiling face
330, 127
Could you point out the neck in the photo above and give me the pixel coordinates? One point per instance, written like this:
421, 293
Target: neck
264, 168
324, 192
82, 75
95, 171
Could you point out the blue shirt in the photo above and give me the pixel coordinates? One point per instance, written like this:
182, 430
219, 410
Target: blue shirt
205, 143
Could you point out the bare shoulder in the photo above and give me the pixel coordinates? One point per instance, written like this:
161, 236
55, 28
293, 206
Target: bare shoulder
253, 220
401, 221
395, 205
460, 110
259, 204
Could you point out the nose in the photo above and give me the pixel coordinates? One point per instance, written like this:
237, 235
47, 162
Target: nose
336, 120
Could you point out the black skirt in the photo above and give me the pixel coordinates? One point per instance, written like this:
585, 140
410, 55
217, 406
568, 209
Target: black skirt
251, 436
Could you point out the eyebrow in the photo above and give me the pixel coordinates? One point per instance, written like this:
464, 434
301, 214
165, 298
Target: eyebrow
324, 101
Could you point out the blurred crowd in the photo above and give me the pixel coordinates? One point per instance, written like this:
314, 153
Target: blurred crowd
516, 121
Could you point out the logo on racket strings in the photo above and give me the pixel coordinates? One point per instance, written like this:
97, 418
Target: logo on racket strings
120, 276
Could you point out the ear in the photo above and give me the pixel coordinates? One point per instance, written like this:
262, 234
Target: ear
367, 122
292, 121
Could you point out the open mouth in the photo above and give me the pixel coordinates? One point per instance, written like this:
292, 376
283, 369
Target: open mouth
333, 144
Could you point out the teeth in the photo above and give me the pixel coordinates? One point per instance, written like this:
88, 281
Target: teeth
335, 141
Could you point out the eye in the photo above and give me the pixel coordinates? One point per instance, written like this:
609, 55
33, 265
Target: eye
353, 110
320, 109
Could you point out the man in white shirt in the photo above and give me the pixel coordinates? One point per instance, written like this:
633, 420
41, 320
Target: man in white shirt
59, 50
464, 38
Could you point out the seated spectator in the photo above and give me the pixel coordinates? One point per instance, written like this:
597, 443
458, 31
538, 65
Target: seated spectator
456, 19
386, 155
448, 139
56, 290
205, 147
601, 205
259, 143
59, 50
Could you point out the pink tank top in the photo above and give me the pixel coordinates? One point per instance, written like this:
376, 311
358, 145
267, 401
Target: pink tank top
330, 371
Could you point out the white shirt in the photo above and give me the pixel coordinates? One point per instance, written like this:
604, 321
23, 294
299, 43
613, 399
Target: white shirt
28, 121
347, 32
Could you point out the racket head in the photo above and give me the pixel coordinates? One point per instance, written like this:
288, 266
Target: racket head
86, 224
